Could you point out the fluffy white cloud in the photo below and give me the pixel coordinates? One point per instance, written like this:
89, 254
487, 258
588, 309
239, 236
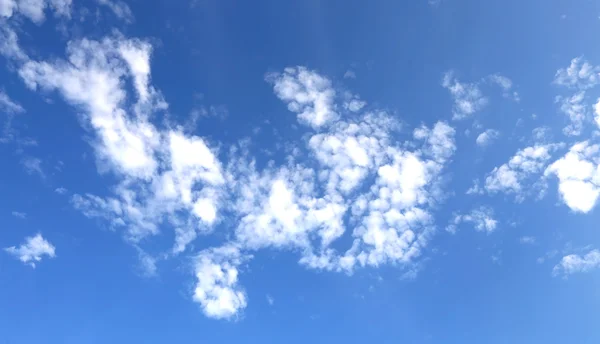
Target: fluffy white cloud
468, 98
487, 137
580, 74
217, 289
576, 264
481, 218
33, 250
578, 174
528, 162
354, 177
578, 77
306, 93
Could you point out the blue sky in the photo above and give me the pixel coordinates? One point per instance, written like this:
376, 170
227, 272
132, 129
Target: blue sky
272, 171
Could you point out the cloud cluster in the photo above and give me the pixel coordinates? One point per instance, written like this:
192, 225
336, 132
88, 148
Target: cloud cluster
468, 98
576, 264
33, 250
525, 165
352, 178
578, 77
481, 218
34, 9
487, 137
578, 173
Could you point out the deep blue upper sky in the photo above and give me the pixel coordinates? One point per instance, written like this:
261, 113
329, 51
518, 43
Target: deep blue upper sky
292, 171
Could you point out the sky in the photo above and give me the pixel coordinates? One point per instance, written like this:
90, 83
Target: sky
202, 171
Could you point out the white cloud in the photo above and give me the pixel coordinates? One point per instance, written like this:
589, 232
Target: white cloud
306, 93
597, 113
578, 173
61, 190
19, 214
580, 74
9, 106
576, 264
576, 110
541, 134
217, 289
506, 84
487, 137
147, 263
510, 177
34, 9
33, 250
354, 177
119, 8
481, 218
468, 98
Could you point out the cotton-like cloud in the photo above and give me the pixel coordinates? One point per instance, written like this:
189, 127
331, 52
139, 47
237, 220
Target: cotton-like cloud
358, 180
33, 250
481, 218
510, 177
487, 137
578, 174
306, 93
468, 98
580, 74
579, 77
577, 264
217, 289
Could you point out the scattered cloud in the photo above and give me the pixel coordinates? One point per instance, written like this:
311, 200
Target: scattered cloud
580, 75
33, 166
481, 218
270, 300
510, 177
61, 190
33, 250
7, 105
468, 98
306, 93
349, 74
487, 137
34, 9
506, 85
578, 174
576, 110
574, 263
19, 215
119, 8
529, 240
217, 289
